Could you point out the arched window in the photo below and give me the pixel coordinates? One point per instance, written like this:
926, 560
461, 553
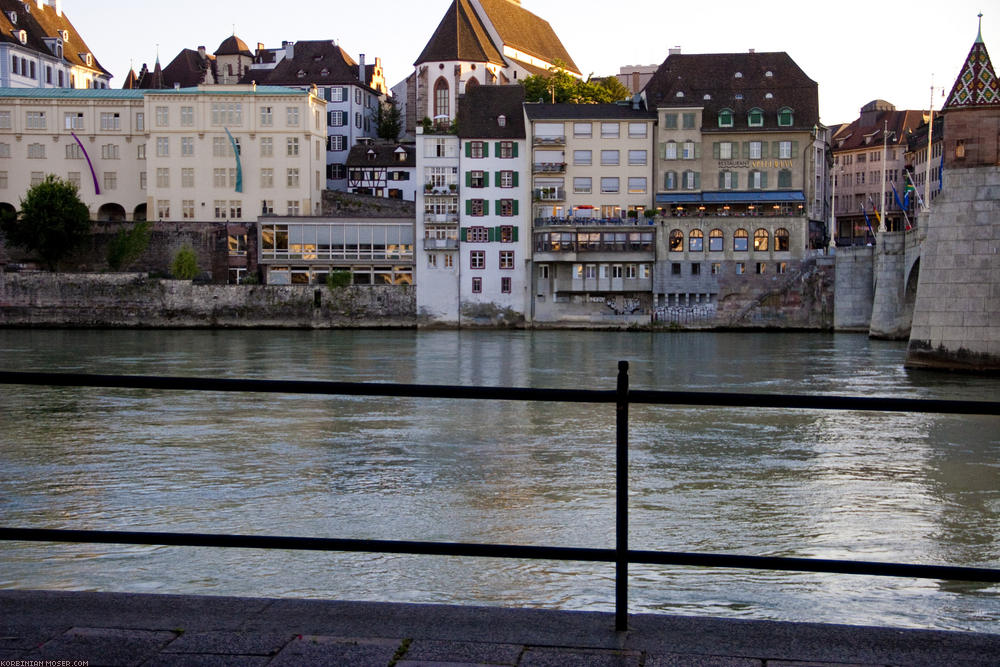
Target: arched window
715, 240
676, 240
755, 118
760, 239
441, 99
781, 240
471, 83
726, 118
696, 241
786, 117
670, 150
740, 240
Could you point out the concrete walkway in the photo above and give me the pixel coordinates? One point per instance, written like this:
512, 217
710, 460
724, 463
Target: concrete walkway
159, 630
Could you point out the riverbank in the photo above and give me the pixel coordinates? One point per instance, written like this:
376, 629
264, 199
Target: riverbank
123, 629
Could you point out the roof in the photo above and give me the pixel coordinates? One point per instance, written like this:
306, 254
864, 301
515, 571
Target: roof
591, 111
73, 93
739, 82
235, 89
976, 85
382, 155
868, 131
526, 32
461, 35
233, 46
319, 62
481, 107
43, 22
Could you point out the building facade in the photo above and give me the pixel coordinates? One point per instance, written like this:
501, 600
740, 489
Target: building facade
383, 170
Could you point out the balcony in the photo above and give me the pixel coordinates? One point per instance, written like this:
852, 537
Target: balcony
549, 194
549, 167
557, 140
439, 189
441, 218
440, 244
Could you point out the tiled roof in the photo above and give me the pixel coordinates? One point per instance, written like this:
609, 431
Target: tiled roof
976, 85
233, 46
319, 62
869, 130
480, 108
72, 93
461, 35
42, 22
229, 90
592, 111
526, 32
382, 155
739, 82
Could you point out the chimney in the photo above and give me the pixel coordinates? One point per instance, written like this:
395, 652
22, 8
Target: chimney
54, 4
676, 51
361, 70
289, 49
635, 82
202, 52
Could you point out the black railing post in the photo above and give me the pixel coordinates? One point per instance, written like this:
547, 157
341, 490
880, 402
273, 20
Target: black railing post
621, 500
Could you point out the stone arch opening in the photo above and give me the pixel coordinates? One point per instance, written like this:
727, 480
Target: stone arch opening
111, 212
910, 293
7, 208
140, 213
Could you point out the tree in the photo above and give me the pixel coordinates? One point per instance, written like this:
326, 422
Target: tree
559, 87
388, 120
128, 245
52, 221
185, 264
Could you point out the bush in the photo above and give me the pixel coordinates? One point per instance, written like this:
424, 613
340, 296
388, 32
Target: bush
338, 279
52, 221
185, 264
128, 246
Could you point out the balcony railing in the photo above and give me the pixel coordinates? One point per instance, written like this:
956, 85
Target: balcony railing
585, 222
438, 189
440, 244
441, 218
550, 194
549, 167
557, 140
622, 398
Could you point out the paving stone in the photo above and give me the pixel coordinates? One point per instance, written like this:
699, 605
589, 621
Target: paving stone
560, 657
200, 660
230, 643
318, 651
690, 660
103, 646
27, 638
426, 651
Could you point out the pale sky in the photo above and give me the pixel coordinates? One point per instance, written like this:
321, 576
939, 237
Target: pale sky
856, 51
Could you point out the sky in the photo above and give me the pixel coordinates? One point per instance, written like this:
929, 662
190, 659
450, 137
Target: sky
856, 51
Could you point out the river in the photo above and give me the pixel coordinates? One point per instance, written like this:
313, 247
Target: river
866, 486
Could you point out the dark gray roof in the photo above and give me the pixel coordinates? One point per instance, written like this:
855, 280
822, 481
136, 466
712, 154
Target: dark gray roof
40, 23
481, 107
382, 155
319, 62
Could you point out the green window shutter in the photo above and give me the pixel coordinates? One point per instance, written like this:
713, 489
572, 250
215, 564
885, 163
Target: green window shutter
515, 229
697, 151
468, 207
486, 207
468, 149
515, 150
663, 150
746, 150
763, 150
491, 234
736, 180
776, 148
715, 150
496, 149
697, 180
795, 149
722, 179
486, 149
497, 209
515, 175
515, 207
763, 180
468, 179
464, 235
496, 179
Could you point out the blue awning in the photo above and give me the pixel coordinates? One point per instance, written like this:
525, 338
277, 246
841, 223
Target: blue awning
685, 198
753, 197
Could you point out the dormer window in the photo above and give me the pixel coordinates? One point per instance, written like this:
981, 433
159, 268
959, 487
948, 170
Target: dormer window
755, 118
301, 74
726, 118
371, 155
680, 93
738, 75
324, 72
502, 120
786, 117
64, 34
768, 96
89, 60
769, 74
13, 17
22, 36
707, 97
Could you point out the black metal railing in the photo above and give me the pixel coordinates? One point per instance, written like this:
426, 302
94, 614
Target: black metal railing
621, 555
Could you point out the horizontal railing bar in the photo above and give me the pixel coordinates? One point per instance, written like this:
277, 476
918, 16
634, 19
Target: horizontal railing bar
647, 397
865, 568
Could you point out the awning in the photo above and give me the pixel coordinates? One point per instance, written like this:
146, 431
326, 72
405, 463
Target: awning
689, 198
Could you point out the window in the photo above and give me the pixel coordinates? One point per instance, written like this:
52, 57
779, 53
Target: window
220, 209
266, 146
36, 120
337, 119
675, 269
755, 118
506, 149
477, 285
782, 267
631, 272
505, 285
637, 184
610, 130
583, 129
336, 142
676, 240
506, 208
267, 116
729, 180
476, 207
726, 118
111, 121
760, 240
690, 151
670, 121
715, 240
477, 235
219, 178
292, 178
688, 121
267, 207
692, 180
696, 240
162, 208
670, 150
187, 177
442, 99
357, 119
609, 184
696, 269
507, 259
582, 185
755, 150
292, 146
616, 270
267, 178
162, 177
637, 158
670, 180
475, 179
507, 234
785, 150
475, 149
761, 268
786, 117
163, 146
716, 268
111, 180
221, 147
3, 180
637, 130
781, 241
741, 240
4, 150
36, 151
235, 209
785, 178
5, 120
140, 120
292, 207
36, 178
162, 116
741, 268
477, 259
610, 158
292, 116
142, 179
725, 150
110, 152
543, 271
758, 180
74, 152
582, 158
507, 179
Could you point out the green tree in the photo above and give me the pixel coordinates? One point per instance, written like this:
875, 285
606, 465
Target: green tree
128, 245
185, 264
338, 279
388, 120
52, 221
560, 87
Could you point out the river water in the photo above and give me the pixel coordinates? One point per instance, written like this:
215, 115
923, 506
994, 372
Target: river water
885, 487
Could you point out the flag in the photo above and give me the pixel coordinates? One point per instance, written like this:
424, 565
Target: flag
875, 211
867, 221
910, 187
895, 195
239, 165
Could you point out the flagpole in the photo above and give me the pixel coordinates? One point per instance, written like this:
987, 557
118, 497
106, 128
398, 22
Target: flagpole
927, 172
885, 146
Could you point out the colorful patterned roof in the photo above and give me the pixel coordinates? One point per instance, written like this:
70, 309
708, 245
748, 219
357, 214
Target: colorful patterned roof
977, 84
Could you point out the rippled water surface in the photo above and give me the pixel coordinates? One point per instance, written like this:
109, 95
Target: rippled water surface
851, 485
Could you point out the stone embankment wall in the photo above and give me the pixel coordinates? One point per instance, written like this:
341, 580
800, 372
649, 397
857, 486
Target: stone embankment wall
136, 301
854, 289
